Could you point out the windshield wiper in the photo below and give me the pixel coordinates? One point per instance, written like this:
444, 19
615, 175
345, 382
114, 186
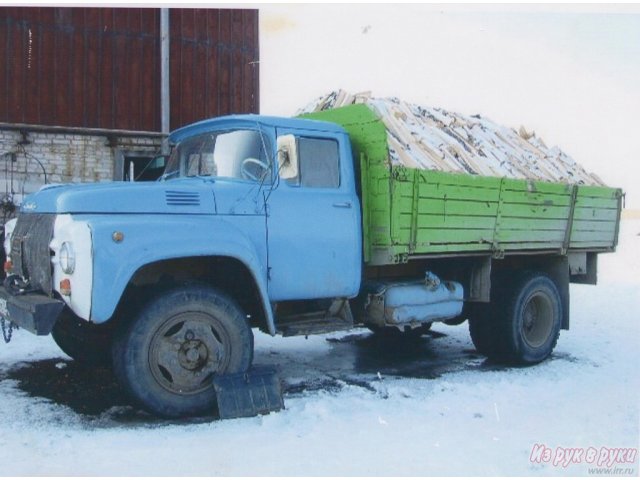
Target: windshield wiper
166, 175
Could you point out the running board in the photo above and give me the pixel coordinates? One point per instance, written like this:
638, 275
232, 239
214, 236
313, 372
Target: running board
337, 318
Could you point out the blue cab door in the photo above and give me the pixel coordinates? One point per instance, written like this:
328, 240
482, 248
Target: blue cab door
313, 222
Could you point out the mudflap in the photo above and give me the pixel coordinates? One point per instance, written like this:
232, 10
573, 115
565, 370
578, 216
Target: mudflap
248, 394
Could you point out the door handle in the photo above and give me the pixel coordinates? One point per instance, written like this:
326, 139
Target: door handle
342, 205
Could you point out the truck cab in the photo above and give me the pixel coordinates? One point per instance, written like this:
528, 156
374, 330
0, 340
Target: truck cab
258, 213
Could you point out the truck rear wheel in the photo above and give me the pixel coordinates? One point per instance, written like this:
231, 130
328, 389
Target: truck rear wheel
83, 341
481, 329
167, 356
524, 326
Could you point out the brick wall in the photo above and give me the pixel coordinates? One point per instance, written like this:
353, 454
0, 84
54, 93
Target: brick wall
66, 157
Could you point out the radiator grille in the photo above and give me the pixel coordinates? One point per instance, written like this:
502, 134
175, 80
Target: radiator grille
30, 252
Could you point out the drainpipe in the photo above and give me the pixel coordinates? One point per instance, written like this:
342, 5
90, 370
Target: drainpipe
165, 74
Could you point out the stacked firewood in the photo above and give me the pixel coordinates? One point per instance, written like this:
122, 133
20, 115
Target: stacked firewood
436, 139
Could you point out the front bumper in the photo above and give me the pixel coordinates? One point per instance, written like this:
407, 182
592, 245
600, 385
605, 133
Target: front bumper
36, 313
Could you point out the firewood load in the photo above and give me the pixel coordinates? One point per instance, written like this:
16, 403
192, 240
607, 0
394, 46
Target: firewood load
436, 139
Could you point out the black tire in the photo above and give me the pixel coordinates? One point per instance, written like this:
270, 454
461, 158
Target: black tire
83, 341
481, 329
522, 325
167, 355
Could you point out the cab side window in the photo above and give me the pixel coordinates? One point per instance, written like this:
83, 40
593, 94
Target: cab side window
319, 162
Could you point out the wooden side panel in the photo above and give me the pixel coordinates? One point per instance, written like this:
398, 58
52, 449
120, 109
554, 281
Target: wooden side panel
443, 212
499, 215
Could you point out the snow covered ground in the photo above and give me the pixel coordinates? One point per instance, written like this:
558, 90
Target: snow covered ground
354, 406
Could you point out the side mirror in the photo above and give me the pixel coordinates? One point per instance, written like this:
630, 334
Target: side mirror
287, 157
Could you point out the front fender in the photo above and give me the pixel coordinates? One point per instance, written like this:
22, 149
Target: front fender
153, 238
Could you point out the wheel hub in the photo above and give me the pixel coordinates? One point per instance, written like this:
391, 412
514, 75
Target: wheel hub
193, 354
537, 319
187, 351
530, 316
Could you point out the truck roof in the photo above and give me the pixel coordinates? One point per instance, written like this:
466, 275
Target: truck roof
251, 120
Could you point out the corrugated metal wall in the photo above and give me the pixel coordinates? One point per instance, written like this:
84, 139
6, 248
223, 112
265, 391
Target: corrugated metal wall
100, 67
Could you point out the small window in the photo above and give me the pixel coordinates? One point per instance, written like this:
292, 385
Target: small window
142, 168
319, 163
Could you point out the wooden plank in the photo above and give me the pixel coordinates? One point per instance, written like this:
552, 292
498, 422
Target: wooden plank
224, 65
46, 43
451, 221
542, 236
453, 248
120, 107
535, 211
15, 60
150, 78
200, 66
595, 214
536, 198
428, 236
591, 244
107, 55
439, 191
237, 80
5, 70
32, 74
536, 187
91, 81
594, 226
62, 80
77, 70
134, 67
211, 71
525, 246
592, 236
471, 208
250, 60
597, 202
458, 180
596, 191
455, 207
516, 223
462, 222
188, 83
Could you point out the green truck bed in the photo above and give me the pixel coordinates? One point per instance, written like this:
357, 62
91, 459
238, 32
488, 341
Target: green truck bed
411, 213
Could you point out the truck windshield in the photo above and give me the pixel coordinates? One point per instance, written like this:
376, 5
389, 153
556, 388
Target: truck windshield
237, 154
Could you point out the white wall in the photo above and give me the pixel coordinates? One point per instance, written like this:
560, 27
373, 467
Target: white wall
570, 73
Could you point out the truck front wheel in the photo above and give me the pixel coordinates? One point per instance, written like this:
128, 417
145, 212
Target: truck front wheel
522, 324
167, 356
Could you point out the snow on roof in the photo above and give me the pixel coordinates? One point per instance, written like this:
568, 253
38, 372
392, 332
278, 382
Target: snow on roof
436, 139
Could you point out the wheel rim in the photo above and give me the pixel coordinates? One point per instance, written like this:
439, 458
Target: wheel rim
537, 321
187, 351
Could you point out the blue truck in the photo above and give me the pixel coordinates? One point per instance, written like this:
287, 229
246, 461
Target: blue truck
295, 227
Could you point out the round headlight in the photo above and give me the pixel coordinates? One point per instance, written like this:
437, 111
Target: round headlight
67, 258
